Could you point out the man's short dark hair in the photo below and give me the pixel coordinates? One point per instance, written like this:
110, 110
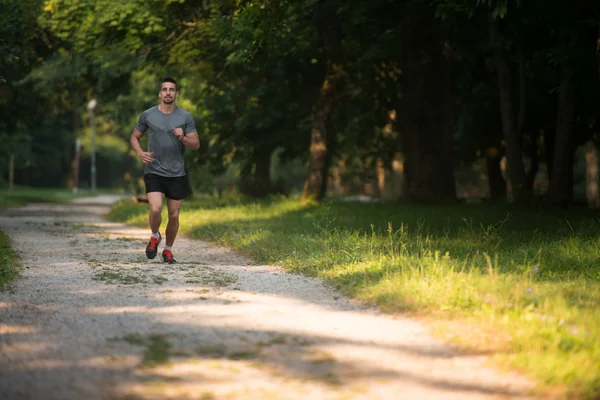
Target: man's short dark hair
170, 80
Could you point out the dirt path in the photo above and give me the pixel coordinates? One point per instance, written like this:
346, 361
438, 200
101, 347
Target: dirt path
92, 318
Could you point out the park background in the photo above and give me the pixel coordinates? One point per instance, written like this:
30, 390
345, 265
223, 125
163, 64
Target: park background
418, 108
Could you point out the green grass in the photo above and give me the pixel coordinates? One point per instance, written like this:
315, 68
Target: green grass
157, 347
520, 282
9, 262
22, 195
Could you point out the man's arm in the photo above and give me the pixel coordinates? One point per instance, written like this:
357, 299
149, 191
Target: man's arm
189, 137
189, 140
137, 147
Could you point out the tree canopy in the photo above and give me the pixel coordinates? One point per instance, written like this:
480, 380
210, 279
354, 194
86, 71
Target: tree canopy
425, 101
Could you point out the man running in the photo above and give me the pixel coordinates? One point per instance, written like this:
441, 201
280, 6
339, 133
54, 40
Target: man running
170, 130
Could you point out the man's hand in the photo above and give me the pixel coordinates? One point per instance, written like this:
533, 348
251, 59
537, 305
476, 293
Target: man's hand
178, 132
146, 157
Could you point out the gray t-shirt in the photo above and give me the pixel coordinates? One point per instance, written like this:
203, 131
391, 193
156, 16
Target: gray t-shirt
168, 151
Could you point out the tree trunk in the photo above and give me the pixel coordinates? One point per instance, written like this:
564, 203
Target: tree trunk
256, 179
571, 176
427, 132
512, 137
76, 164
561, 187
390, 178
331, 150
535, 164
368, 184
398, 177
335, 184
261, 176
390, 163
384, 181
598, 52
549, 137
591, 175
559, 192
73, 181
496, 182
329, 96
448, 179
11, 172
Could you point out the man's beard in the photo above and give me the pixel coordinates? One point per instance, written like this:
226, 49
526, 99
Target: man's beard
168, 100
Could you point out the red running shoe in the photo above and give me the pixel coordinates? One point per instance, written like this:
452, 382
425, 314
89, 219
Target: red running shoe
152, 247
167, 256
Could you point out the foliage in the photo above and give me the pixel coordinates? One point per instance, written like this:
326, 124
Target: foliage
251, 71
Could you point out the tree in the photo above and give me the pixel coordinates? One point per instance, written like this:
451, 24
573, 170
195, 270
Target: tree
329, 95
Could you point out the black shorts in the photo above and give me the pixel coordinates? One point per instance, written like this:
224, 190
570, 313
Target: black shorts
176, 188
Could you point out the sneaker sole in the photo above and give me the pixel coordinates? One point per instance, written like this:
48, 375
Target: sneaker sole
151, 254
169, 261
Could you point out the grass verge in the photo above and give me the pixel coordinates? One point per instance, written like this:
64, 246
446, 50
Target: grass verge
521, 283
9, 262
23, 195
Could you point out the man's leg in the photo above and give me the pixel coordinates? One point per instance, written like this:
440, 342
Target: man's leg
173, 207
155, 219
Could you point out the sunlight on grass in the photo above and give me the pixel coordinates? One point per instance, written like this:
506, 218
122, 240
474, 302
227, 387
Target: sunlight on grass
527, 277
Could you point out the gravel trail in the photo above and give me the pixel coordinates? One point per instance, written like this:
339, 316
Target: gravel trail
92, 318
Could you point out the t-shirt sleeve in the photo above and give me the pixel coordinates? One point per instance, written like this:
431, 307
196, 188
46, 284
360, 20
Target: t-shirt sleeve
190, 125
142, 124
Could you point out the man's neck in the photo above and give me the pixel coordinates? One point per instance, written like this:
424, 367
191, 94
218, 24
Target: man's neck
166, 108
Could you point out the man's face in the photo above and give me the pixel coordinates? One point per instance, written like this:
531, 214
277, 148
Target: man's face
168, 92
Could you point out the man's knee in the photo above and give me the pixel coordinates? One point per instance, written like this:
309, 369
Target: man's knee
173, 215
155, 202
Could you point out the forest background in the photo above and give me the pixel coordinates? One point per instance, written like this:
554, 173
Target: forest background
422, 101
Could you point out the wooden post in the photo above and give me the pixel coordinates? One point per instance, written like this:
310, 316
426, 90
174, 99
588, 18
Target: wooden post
11, 172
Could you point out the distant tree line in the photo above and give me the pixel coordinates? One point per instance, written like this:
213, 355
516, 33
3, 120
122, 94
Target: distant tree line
388, 97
